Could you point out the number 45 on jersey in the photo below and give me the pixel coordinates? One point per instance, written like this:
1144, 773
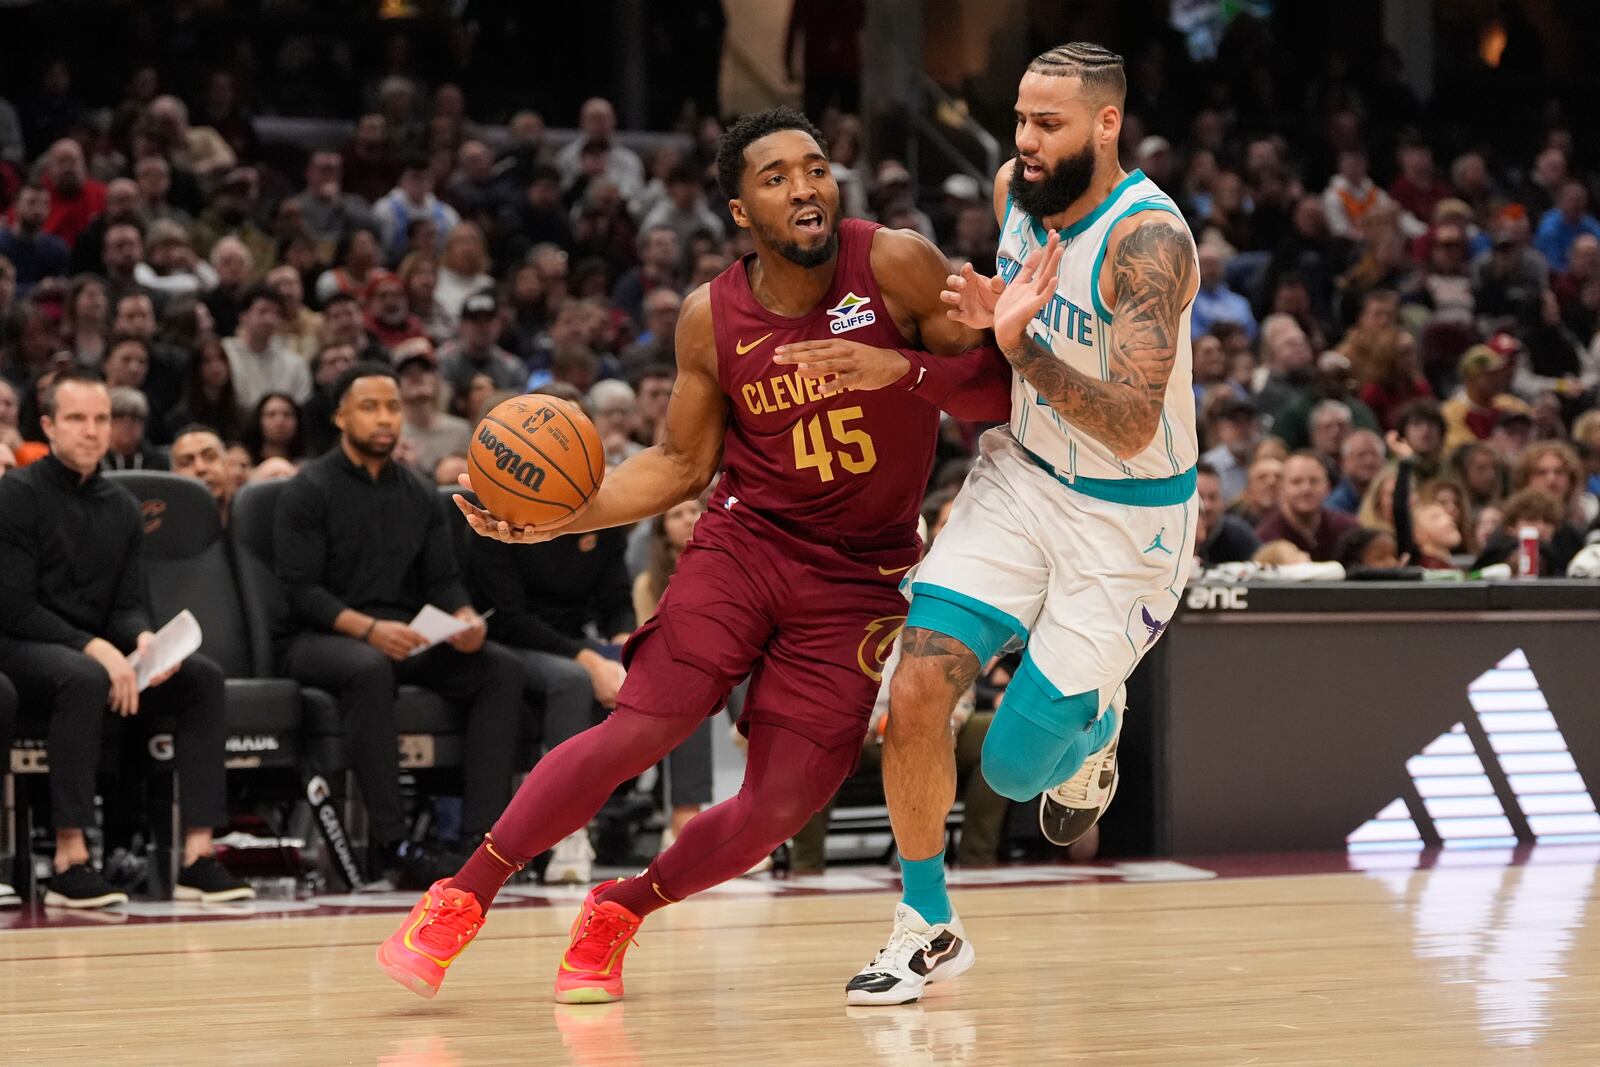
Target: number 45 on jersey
818, 444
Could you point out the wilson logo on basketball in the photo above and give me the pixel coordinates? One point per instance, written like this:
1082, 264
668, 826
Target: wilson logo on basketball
509, 460
878, 644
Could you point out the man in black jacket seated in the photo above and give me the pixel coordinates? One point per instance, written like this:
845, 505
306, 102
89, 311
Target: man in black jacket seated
361, 546
72, 609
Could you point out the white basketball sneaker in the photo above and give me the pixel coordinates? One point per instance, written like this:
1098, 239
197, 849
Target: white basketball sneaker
918, 952
1070, 810
571, 859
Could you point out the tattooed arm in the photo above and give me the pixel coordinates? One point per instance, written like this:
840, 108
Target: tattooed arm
1152, 279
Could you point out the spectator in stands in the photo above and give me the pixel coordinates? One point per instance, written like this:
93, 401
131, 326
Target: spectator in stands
342, 324
474, 350
1235, 427
275, 430
1577, 289
327, 366
1214, 301
10, 409
410, 201
1509, 280
1553, 467
259, 359
196, 150
233, 266
1478, 407
122, 208
463, 271
370, 167
330, 212
232, 214
198, 453
538, 218
616, 416
153, 175
1396, 379
1383, 265
1447, 285
34, 252
1219, 536
301, 328
86, 320
1287, 356
684, 211
660, 267
1419, 188
1301, 518
419, 277
1263, 485
1352, 197
72, 609
434, 432
1481, 471
129, 449
1531, 506
171, 268
75, 198
1564, 223
597, 129
657, 342
1421, 429
1332, 380
1377, 504
475, 190
388, 318
1331, 424
357, 255
653, 387
349, 606
134, 316
209, 398
1360, 459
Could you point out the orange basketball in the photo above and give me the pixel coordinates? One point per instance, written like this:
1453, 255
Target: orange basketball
535, 459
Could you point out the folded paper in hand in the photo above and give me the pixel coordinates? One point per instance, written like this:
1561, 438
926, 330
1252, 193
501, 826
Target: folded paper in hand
170, 646
436, 626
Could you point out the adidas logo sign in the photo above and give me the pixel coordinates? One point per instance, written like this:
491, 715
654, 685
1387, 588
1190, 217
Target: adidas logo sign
1502, 777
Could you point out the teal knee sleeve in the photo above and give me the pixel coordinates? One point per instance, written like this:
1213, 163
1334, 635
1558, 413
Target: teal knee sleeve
981, 627
1035, 734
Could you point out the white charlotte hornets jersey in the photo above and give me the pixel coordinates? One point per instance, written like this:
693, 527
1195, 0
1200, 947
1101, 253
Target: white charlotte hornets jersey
1075, 326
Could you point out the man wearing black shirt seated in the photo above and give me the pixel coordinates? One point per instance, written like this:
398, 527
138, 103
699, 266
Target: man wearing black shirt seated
72, 609
547, 598
361, 546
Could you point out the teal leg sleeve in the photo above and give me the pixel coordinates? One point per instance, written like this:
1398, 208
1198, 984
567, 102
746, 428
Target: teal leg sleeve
1040, 737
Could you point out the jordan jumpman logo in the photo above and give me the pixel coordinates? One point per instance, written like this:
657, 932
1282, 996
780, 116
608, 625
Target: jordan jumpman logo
1156, 545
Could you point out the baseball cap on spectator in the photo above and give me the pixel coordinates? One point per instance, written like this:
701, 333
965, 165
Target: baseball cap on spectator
1233, 407
381, 279
892, 172
480, 306
1504, 344
963, 187
1153, 145
1480, 359
414, 351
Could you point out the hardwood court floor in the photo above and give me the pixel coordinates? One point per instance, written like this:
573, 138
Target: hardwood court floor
1453, 965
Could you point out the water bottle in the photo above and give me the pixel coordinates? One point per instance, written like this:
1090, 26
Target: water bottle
1528, 552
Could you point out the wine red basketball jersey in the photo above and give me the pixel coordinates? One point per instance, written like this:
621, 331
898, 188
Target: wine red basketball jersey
851, 466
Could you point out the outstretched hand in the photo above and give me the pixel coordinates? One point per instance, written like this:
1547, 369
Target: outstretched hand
487, 525
1028, 293
972, 297
840, 365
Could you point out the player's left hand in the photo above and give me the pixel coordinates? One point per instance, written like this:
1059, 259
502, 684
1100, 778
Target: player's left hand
471, 639
842, 365
1027, 294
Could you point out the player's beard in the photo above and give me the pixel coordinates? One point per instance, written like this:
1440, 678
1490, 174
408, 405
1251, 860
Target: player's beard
794, 252
1060, 187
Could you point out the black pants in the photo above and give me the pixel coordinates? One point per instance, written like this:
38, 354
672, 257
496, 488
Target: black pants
75, 690
365, 682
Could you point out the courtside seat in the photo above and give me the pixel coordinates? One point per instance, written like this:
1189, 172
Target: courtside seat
430, 727
187, 567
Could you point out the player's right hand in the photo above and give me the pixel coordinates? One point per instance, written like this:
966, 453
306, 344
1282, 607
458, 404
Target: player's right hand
395, 639
972, 297
496, 529
124, 696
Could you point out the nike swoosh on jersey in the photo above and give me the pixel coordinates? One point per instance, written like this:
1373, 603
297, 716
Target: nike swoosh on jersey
886, 571
741, 348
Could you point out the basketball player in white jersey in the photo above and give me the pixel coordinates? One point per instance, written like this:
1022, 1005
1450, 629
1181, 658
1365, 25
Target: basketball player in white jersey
1073, 534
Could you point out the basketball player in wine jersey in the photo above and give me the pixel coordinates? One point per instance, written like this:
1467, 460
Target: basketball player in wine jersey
1073, 533
793, 574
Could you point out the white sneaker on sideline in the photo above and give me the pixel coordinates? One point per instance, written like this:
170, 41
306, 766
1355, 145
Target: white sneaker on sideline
571, 860
918, 952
